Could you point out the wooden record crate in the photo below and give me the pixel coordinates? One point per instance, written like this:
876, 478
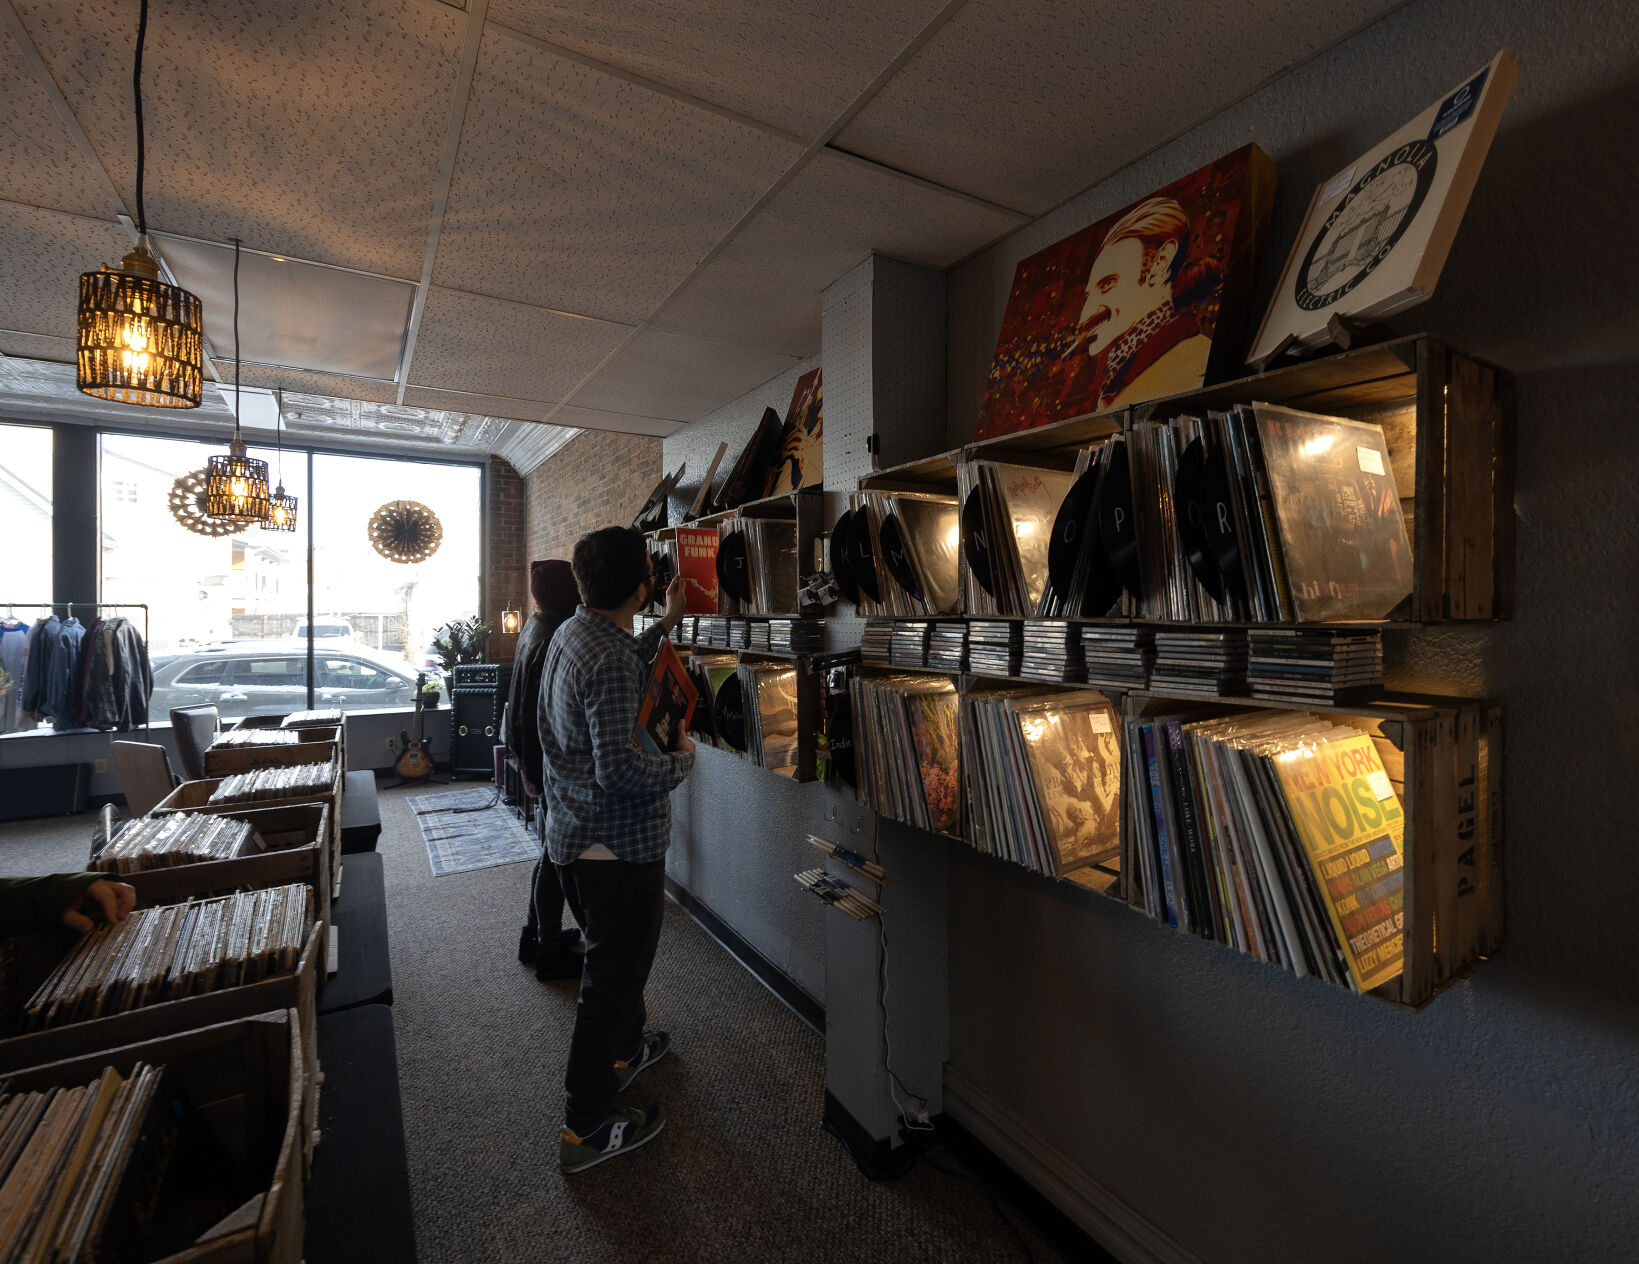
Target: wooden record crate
312, 746
246, 1078
299, 840
194, 796
1444, 757
1448, 420
803, 508
32, 959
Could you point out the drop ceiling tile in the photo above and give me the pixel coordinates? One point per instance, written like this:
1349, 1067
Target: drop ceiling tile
596, 419
1027, 102
313, 130
36, 347
762, 290
40, 266
295, 381
39, 163
663, 375
490, 347
463, 401
582, 192
793, 66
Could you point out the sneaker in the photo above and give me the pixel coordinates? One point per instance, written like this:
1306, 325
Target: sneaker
554, 967
528, 946
653, 1048
620, 1133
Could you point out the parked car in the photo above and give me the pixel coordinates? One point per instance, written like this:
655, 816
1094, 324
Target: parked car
327, 632
267, 678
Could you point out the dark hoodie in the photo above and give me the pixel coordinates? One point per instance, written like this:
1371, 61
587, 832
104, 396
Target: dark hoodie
552, 585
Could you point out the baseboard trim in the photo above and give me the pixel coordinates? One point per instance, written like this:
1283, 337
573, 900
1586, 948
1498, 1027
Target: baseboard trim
777, 981
1122, 1231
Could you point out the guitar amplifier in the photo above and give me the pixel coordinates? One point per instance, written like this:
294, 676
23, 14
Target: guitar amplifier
477, 695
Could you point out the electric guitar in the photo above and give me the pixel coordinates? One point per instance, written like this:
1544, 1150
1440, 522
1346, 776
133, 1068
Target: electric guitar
415, 764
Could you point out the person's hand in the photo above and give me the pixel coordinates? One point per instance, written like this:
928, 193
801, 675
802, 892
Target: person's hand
101, 901
685, 743
676, 595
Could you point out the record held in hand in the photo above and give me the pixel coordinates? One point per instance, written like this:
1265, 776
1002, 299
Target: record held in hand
733, 575
839, 737
1189, 502
1115, 519
729, 710
862, 557
1217, 514
1069, 531
842, 566
976, 542
894, 552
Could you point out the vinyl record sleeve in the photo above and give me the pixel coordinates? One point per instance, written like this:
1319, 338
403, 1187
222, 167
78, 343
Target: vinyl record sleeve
842, 566
931, 537
1075, 769
729, 711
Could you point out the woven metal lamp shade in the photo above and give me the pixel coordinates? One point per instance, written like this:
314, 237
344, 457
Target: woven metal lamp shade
140, 340
281, 512
405, 531
236, 486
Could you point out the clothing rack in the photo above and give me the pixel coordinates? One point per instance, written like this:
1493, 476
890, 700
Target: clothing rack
9, 606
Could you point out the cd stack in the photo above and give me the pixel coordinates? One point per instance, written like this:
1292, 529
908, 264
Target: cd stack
1042, 777
757, 635
1118, 657
182, 838
328, 717
905, 749
1200, 664
739, 634
275, 783
175, 951
1052, 652
1315, 666
235, 738
876, 645
947, 646
796, 636
909, 643
994, 647
712, 630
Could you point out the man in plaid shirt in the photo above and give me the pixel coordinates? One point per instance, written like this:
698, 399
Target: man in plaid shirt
608, 824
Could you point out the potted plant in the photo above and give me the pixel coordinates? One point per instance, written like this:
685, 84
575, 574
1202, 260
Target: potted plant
461, 641
430, 693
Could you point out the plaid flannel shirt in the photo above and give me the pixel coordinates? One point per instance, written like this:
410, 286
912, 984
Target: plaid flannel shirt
600, 786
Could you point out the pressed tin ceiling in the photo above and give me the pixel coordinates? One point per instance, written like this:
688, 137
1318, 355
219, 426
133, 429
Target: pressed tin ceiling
618, 218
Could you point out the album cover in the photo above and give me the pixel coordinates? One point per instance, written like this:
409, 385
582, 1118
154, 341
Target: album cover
1342, 531
1075, 767
1150, 301
801, 459
920, 551
933, 730
697, 564
1378, 232
668, 704
750, 473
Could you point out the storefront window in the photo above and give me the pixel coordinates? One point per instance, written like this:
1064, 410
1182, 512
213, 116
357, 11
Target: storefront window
25, 512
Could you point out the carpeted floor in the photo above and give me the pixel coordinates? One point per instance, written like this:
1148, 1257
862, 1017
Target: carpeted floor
743, 1171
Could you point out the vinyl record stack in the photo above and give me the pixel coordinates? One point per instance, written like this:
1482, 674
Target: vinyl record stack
900, 554
1315, 666
1117, 657
182, 838
909, 643
709, 671
905, 749
1041, 777
947, 646
876, 642
1051, 652
769, 695
232, 739
262, 784
1172, 555
1200, 664
1092, 552
1007, 522
994, 647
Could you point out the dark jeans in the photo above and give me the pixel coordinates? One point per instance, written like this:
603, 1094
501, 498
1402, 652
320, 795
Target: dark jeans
546, 910
619, 906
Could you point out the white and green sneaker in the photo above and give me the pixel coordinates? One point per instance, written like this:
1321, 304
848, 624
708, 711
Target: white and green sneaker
653, 1048
620, 1133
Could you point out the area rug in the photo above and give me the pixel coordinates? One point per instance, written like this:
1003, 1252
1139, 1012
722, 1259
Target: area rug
460, 841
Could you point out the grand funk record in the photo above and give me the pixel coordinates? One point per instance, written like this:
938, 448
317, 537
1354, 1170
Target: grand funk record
1378, 232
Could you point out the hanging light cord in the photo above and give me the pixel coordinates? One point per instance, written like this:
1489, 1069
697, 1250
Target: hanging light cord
279, 436
136, 89
235, 328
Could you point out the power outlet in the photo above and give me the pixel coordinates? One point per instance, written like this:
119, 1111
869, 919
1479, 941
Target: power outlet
100, 766
392, 745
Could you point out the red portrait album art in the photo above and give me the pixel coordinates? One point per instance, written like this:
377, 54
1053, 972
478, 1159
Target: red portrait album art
802, 447
1150, 301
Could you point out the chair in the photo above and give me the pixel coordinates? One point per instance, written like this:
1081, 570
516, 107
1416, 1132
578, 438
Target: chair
145, 775
195, 729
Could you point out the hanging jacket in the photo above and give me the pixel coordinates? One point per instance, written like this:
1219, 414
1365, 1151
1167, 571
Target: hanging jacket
13, 659
130, 676
62, 672
79, 703
40, 642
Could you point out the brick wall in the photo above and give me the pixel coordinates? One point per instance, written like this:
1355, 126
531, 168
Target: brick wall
598, 479
508, 529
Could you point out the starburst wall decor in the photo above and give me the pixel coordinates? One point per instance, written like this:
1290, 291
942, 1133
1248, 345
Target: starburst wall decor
187, 501
405, 531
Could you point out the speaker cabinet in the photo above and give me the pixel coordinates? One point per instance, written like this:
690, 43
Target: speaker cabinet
477, 695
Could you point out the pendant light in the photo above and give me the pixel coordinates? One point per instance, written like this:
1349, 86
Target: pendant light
235, 484
281, 514
140, 341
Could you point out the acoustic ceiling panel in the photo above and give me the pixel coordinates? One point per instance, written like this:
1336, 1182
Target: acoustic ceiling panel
762, 290
465, 401
794, 66
295, 381
40, 266
663, 375
36, 347
295, 314
1027, 102
39, 162
491, 347
596, 419
312, 130
583, 192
